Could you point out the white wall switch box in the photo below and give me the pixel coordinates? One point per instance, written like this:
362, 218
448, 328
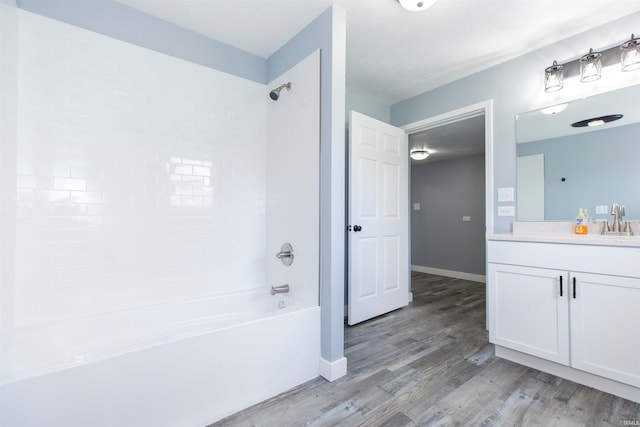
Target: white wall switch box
466, 218
505, 194
602, 209
506, 211
416, 206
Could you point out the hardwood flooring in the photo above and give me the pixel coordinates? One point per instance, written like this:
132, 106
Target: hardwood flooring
430, 364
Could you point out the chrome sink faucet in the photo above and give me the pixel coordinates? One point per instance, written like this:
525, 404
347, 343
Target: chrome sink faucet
616, 227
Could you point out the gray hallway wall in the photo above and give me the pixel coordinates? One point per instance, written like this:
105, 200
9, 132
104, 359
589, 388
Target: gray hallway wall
448, 190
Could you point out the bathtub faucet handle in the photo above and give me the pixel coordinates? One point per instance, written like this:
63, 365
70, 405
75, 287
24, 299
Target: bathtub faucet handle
286, 254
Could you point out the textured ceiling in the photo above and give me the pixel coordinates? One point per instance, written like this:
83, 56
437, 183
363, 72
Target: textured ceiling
392, 53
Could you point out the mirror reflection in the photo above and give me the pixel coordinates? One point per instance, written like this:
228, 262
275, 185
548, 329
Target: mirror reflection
561, 168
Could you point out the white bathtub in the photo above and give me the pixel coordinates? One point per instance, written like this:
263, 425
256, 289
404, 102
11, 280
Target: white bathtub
183, 364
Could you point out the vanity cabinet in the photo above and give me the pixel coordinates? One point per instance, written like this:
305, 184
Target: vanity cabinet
570, 313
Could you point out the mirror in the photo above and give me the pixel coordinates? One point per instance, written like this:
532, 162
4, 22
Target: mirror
561, 168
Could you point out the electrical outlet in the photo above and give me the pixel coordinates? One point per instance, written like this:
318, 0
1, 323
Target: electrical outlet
466, 218
416, 206
602, 210
506, 211
505, 194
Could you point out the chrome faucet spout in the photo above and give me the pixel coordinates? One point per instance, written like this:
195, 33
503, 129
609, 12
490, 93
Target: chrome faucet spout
282, 289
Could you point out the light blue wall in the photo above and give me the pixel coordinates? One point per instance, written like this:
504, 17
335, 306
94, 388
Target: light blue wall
367, 104
328, 33
619, 146
515, 86
132, 26
448, 190
9, 2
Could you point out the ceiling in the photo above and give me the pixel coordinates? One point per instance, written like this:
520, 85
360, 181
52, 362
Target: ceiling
457, 139
394, 54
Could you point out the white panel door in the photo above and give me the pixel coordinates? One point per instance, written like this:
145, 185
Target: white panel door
530, 310
378, 218
605, 326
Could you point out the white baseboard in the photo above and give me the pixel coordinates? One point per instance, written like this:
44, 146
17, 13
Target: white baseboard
331, 371
450, 273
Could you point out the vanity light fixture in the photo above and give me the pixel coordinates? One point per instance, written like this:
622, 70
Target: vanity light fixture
553, 76
590, 67
419, 154
597, 121
416, 5
630, 54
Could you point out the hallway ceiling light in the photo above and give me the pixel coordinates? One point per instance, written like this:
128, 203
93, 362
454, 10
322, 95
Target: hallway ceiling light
419, 154
630, 54
416, 5
590, 66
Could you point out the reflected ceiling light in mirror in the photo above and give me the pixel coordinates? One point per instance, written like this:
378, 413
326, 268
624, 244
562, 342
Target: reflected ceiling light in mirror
590, 67
555, 109
416, 5
630, 54
597, 121
419, 154
553, 77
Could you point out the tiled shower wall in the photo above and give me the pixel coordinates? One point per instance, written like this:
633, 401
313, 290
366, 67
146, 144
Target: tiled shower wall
140, 177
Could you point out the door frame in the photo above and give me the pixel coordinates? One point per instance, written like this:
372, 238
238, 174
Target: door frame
468, 112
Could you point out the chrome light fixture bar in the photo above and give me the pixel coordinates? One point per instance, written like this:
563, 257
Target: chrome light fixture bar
589, 66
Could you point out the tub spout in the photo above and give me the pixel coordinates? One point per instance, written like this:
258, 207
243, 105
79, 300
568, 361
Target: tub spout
282, 289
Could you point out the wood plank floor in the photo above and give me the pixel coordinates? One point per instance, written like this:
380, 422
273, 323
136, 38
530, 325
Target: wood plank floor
430, 364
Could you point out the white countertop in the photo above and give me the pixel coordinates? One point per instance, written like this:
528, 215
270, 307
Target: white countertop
562, 232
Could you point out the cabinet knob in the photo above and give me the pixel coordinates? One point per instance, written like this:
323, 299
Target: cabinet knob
561, 285
574, 288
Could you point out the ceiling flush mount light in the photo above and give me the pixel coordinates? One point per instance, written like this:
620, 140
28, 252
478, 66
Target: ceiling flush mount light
590, 66
553, 76
416, 5
630, 54
419, 154
597, 121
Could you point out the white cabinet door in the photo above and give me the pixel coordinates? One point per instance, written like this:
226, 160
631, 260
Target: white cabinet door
529, 310
605, 326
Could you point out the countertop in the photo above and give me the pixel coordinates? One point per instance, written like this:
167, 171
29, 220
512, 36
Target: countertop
562, 232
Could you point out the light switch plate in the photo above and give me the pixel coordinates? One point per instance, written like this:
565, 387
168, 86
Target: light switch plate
466, 218
602, 209
416, 206
505, 194
506, 211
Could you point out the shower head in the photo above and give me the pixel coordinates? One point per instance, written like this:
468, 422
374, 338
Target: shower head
275, 94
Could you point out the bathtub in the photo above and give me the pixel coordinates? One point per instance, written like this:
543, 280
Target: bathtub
181, 364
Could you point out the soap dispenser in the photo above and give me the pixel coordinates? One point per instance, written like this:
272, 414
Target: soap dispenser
581, 223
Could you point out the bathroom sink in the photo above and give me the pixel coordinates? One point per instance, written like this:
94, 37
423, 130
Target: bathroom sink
617, 233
